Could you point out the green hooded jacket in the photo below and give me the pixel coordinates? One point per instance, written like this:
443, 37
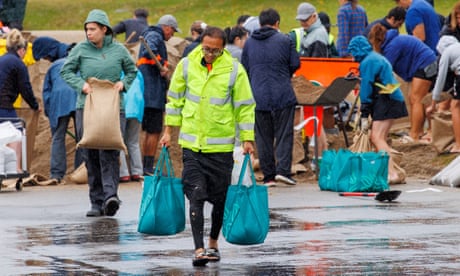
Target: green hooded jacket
85, 60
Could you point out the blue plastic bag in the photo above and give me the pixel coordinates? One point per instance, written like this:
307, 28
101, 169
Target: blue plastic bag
246, 214
162, 209
346, 171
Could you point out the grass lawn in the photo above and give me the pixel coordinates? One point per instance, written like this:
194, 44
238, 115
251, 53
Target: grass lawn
70, 14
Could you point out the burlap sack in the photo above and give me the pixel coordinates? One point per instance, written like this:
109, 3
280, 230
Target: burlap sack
441, 131
79, 175
37, 179
133, 49
298, 151
101, 118
394, 165
361, 142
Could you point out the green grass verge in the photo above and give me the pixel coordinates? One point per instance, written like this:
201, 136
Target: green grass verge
70, 14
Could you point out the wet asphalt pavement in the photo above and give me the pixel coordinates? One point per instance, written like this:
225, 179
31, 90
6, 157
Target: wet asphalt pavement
44, 231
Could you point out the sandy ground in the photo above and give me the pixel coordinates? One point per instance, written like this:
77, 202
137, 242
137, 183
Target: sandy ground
419, 161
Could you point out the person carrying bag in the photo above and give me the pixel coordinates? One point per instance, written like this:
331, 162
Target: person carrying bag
162, 209
246, 214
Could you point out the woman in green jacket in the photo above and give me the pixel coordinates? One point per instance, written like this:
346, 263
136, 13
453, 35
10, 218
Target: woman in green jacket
99, 56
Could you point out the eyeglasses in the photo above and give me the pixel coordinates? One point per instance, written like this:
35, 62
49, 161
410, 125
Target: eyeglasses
212, 52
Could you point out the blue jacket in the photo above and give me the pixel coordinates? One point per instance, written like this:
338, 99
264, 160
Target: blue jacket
14, 80
381, 21
134, 99
129, 26
154, 84
373, 68
59, 99
270, 58
421, 12
406, 54
45, 46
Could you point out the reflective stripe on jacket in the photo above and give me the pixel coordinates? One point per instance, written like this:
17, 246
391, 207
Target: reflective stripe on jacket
299, 34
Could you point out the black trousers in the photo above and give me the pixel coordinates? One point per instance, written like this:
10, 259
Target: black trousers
274, 141
103, 167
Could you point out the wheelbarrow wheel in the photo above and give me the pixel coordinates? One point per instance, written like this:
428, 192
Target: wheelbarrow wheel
19, 185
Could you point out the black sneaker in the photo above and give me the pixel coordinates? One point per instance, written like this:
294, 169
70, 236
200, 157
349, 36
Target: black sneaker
111, 206
94, 213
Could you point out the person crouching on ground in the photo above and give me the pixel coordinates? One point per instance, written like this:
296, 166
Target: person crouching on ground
383, 108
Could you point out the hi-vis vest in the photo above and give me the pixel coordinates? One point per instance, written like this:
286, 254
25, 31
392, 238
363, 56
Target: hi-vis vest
299, 34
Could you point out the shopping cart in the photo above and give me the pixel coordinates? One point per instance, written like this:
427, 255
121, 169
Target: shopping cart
20, 124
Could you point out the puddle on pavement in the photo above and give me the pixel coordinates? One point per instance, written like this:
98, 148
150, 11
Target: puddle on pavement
107, 247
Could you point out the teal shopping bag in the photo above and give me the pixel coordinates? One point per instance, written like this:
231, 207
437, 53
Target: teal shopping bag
246, 214
346, 171
162, 209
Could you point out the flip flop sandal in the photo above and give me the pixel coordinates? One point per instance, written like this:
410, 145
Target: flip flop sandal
201, 259
406, 139
213, 254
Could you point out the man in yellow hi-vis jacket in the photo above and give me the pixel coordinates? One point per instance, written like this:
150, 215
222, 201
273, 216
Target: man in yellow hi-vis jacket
209, 98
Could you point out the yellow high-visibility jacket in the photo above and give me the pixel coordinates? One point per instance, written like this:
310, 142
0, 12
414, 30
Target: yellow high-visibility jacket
209, 106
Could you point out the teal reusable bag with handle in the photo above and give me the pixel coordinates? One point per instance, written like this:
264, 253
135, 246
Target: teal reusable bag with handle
246, 214
346, 171
162, 209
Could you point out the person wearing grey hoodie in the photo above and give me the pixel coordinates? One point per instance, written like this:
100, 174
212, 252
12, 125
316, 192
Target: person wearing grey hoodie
449, 48
311, 38
102, 57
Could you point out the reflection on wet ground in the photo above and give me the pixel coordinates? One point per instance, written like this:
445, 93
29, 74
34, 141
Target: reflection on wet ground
302, 241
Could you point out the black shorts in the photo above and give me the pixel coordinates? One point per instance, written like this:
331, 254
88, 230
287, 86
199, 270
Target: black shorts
152, 122
428, 73
385, 108
206, 176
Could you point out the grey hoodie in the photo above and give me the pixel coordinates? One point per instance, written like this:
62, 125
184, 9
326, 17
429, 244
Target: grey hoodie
315, 42
449, 61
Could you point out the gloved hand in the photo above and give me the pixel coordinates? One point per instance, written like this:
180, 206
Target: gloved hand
364, 124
